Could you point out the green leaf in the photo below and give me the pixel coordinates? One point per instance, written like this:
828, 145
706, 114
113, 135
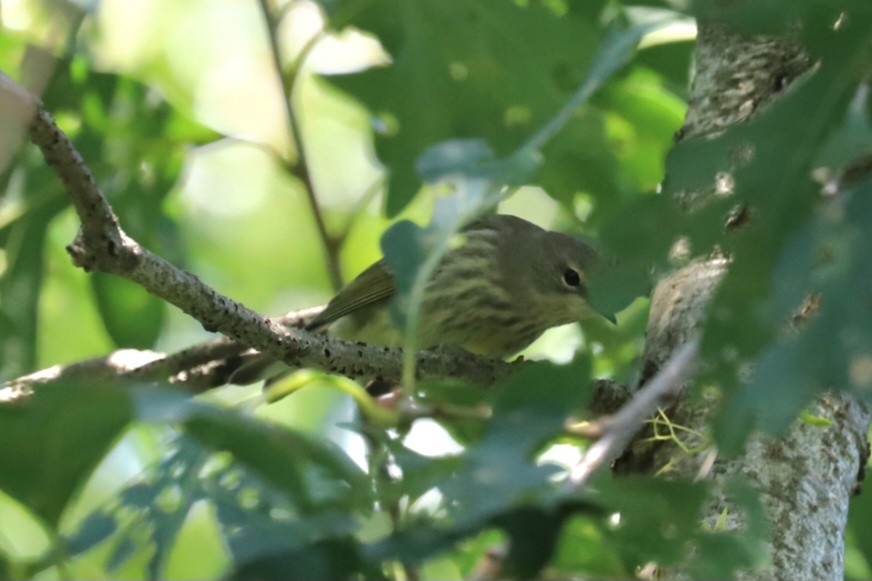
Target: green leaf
328, 559
273, 490
860, 521
832, 350
496, 481
133, 317
584, 549
55, 440
853, 140
455, 74
310, 470
20, 284
771, 159
659, 522
405, 246
453, 158
779, 17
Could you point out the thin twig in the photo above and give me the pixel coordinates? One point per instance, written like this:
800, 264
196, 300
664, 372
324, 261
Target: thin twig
180, 367
196, 368
625, 424
301, 168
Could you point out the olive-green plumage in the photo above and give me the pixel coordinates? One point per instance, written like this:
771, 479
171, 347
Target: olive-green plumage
505, 283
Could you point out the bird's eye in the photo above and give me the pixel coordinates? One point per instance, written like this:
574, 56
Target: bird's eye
571, 277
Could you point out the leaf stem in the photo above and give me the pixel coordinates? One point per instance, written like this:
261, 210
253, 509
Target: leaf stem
59, 555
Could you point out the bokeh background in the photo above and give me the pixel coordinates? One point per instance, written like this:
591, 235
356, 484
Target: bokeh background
178, 110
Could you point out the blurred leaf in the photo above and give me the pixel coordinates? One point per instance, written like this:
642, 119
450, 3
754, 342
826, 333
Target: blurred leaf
133, 316
161, 502
55, 440
274, 490
779, 17
327, 559
451, 158
853, 140
647, 509
5, 567
21, 283
771, 160
497, 481
256, 519
459, 160
405, 246
412, 252
832, 350
585, 549
312, 471
659, 522
533, 535
616, 50
860, 521
500, 470
722, 554
454, 75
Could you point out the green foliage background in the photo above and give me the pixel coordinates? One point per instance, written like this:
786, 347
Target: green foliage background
177, 110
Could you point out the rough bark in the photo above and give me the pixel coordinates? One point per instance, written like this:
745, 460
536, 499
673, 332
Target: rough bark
806, 478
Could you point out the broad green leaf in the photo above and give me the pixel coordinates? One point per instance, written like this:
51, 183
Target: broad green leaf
54, 441
321, 560
772, 160
455, 75
832, 349
648, 520
272, 488
310, 470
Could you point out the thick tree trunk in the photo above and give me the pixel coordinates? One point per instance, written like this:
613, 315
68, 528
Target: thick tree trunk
807, 478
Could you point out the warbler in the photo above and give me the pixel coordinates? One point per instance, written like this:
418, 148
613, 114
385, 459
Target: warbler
500, 288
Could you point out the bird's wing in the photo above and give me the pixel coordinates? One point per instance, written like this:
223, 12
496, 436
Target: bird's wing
374, 284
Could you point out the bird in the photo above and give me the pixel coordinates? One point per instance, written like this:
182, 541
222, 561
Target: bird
505, 283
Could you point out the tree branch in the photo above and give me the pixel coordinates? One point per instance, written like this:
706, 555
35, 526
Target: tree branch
102, 245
